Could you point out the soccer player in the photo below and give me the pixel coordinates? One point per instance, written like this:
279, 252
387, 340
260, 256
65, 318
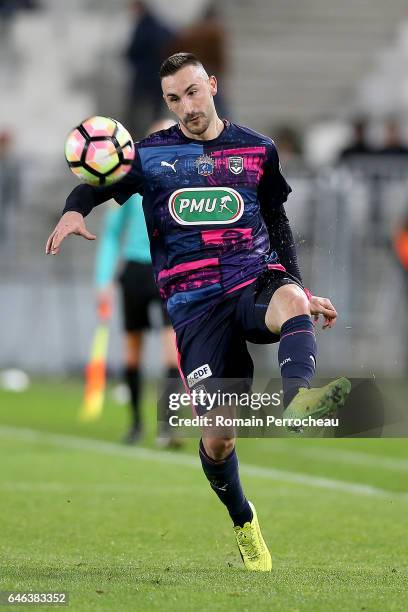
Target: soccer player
225, 264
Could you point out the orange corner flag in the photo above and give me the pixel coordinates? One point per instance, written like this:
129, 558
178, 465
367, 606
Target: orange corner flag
95, 376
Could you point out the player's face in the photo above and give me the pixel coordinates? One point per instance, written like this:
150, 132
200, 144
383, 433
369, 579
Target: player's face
189, 94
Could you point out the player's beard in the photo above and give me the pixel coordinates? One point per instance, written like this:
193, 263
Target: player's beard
196, 127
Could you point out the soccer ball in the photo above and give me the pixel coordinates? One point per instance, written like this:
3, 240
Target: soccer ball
99, 151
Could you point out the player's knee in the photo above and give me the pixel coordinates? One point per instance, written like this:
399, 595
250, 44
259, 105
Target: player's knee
290, 301
298, 303
287, 302
218, 448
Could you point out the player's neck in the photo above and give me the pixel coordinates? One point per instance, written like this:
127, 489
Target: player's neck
213, 131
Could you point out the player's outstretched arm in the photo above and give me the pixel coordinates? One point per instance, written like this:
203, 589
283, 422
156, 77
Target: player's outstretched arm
71, 222
79, 204
83, 199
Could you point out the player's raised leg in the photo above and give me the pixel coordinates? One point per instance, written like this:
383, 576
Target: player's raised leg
220, 465
289, 314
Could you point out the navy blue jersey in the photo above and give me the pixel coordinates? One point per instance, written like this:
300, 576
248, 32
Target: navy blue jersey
205, 204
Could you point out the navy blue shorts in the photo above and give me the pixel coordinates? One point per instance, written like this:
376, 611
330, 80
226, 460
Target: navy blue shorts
214, 346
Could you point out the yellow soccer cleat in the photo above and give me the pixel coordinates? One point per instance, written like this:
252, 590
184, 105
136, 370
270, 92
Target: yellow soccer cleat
318, 402
251, 545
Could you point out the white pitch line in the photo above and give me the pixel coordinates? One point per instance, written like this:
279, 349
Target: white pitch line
337, 455
110, 448
397, 464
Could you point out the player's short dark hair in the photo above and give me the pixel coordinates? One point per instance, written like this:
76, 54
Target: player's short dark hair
176, 62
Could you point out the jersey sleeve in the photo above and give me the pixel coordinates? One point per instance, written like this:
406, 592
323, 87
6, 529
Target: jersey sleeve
85, 197
273, 190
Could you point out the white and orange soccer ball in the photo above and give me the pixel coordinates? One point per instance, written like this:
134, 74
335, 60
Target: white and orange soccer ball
99, 151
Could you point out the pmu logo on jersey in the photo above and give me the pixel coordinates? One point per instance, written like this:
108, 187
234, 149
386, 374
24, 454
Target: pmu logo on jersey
236, 164
206, 206
204, 165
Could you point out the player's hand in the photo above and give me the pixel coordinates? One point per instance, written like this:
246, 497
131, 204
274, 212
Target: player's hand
70, 223
104, 302
323, 306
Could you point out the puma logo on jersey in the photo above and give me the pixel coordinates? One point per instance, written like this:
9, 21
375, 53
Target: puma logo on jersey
168, 165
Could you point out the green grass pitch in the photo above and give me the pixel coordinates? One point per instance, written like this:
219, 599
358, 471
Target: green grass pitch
140, 529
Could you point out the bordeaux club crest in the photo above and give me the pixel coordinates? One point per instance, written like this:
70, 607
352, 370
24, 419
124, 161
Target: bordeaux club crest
236, 164
204, 165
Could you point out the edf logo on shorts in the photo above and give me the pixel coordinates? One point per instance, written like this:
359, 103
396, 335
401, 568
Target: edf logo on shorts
198, 374
207, 205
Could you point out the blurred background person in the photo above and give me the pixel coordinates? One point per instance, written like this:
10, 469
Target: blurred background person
125, 237
393, 140
145, 53
289, 144
206, 39
359, 144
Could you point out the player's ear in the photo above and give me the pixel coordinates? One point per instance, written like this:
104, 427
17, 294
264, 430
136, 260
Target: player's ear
213, 84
